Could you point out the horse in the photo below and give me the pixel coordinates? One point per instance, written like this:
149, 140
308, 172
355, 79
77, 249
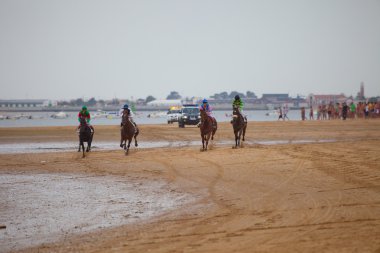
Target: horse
207, 128
85, 135
239, 125
128, 131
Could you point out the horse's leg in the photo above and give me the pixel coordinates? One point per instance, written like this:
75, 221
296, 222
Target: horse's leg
135, 136
236, 138
90, 141
88, 146
129, 144
244, 129
207, 139
82, 144
214, 131
121, 141
122, 138
203, 142
239, 137
136, 145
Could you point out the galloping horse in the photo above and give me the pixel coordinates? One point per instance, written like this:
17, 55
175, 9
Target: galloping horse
207, 128
85, 135
239, 125
128, 131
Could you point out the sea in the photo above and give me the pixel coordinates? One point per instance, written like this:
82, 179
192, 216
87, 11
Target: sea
41, 119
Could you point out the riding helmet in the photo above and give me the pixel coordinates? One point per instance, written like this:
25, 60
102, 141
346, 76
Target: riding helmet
125, 106
205, 101
84, 108
237, 97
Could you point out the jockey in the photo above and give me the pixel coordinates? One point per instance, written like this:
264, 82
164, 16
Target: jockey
126, 112
208, 109
205, 106
84, 113
239, 103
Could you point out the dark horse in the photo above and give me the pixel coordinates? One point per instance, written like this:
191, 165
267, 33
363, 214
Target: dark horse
128, 131
239, 125
208, 128
85, 135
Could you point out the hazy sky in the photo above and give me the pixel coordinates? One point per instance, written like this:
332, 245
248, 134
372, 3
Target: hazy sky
104, 49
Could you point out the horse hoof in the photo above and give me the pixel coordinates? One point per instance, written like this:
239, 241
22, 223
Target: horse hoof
121, 145
136, 145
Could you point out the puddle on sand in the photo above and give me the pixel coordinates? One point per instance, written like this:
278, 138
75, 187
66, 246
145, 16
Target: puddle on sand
44, 147
41, 208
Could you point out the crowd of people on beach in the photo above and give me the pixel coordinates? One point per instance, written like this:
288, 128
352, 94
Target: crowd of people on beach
360, 110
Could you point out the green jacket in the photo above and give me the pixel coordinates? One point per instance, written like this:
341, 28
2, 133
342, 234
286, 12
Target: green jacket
84, 114
238, 103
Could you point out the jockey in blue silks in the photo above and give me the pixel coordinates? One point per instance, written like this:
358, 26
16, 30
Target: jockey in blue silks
208, 109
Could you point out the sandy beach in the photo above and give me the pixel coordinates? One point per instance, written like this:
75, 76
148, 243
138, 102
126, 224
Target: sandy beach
311, 186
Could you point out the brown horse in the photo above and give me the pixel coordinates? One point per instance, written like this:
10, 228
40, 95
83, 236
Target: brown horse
239, 125
85, 135
208, 128
128, 131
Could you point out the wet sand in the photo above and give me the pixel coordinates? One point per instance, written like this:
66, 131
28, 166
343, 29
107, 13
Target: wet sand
299, 197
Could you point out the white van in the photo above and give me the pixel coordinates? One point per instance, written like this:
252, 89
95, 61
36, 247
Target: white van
173, 114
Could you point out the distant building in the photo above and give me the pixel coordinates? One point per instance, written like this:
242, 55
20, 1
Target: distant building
19, 103
275, 98
298, 102
360, 95
165, 102
326, 99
